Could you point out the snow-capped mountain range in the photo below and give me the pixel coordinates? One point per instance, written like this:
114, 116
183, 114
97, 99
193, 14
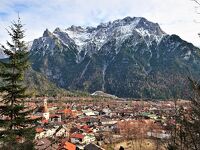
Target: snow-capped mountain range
118, 29
89, 40
130, 57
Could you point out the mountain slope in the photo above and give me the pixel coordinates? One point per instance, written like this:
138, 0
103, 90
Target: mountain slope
131, 57
38, 85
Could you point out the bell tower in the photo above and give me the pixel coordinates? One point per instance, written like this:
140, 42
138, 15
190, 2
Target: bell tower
45, 111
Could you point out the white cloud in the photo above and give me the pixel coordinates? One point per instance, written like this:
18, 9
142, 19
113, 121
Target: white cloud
174, 16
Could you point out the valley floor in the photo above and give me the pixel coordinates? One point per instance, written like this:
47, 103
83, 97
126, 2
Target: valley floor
144, 144
103, 123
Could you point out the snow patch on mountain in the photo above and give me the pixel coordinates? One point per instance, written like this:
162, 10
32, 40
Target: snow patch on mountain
89, 40
119, 29
103, 76
84, 70
80, 38
187, 55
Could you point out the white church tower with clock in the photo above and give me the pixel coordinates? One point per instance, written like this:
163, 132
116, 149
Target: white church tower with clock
46, 111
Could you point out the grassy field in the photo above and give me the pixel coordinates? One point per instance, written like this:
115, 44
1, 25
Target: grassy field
145, 144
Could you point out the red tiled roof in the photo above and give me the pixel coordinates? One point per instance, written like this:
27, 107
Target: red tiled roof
67, 111
69, 146
45, 121
85, 127
38, 130
77, 136
35, 117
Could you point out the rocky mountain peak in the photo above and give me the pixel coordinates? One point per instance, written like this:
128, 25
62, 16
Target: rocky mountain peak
47, 33
57, 30
90, 40
129, 57
153, 28
76, 28
126, 21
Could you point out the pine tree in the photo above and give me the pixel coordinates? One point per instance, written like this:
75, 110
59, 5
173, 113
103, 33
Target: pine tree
15, 121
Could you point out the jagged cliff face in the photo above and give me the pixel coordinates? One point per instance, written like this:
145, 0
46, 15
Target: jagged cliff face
131, 57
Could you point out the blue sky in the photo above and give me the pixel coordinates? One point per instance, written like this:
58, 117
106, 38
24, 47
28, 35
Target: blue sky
174, 16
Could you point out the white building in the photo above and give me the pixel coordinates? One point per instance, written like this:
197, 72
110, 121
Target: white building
46, 111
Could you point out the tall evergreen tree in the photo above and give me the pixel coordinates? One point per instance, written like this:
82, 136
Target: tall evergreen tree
15, 120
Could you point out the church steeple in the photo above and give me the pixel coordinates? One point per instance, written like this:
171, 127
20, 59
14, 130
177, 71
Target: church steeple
45, 111
45, 105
